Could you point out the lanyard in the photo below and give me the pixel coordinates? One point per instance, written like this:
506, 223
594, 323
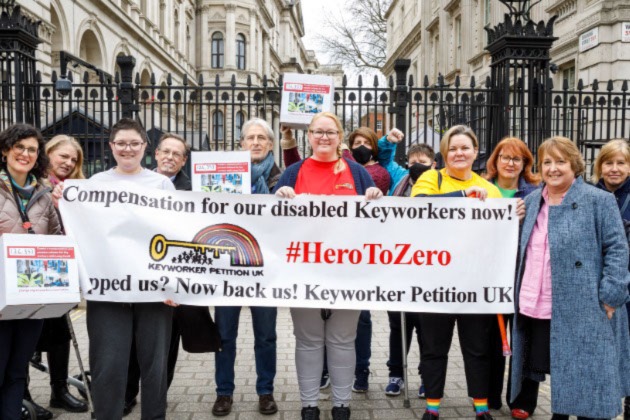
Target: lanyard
26, 223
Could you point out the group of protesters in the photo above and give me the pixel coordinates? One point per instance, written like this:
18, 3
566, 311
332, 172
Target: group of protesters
571, 284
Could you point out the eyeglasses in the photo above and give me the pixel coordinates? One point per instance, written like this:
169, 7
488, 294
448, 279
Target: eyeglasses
19, 149
122, 145
318, 134
172, 153
507, 159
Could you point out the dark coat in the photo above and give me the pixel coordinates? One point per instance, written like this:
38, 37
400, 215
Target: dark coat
182, 181
195, 324
590, 354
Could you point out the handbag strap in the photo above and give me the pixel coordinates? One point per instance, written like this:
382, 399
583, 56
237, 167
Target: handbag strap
625, 205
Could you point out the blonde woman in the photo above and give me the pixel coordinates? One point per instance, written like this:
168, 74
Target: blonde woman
325, 173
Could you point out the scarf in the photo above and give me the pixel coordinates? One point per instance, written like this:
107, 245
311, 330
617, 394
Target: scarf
260, 173
24, 192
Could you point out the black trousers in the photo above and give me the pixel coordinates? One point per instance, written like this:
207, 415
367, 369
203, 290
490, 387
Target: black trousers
437, 333
133, 373
395, 362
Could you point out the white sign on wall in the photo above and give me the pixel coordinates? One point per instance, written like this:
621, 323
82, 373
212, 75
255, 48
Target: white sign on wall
625, 31
589, 39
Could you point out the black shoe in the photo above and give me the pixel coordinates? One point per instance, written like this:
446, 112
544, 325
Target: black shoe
484, 416
60, 397
129, 405
222, 406
626, 409
42, 413
310, 413
341, 413
429, 416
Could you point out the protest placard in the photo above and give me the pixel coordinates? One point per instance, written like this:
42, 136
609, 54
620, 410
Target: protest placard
39, 276
422, 254
221, 172
303, 96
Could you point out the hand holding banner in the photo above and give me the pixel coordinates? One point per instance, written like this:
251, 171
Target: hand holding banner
405, 254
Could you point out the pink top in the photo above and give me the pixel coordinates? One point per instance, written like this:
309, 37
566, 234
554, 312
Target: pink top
535, 296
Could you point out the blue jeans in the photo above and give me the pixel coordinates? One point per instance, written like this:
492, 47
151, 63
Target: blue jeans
363, 342
264, 323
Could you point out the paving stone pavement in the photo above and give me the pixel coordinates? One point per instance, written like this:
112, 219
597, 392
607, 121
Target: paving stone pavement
193, 390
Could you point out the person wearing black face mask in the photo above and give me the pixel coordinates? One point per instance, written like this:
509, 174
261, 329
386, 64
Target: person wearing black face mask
420, 158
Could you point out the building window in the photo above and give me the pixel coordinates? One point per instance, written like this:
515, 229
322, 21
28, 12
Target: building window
217, 126
217, 50
568, 74
240, 52
458, 42
486, 9
379, 125
239, 120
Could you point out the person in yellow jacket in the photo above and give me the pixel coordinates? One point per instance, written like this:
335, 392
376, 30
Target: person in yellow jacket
459, 147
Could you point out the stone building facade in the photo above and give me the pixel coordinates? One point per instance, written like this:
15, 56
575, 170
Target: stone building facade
180, 37
447, 37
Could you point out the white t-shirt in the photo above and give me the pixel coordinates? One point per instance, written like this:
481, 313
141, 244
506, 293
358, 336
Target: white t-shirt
146, 177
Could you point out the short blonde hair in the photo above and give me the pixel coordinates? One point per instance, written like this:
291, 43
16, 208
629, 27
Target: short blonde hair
565, 148
454, 131
61, 140
610, 149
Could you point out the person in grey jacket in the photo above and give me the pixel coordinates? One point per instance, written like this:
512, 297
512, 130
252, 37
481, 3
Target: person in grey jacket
573, 281
25, 207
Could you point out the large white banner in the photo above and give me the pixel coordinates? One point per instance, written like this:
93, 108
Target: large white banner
447, 255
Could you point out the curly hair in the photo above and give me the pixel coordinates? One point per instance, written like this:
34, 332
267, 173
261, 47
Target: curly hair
17, 132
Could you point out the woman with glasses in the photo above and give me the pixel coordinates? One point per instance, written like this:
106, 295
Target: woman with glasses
325, 173
113, 326
26, 208
509, 168
363, 144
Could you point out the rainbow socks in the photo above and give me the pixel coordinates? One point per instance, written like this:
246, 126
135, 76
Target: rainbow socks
481, 405
433, 406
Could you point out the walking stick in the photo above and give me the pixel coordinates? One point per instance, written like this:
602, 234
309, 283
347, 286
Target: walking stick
86, 380
403, 333
506, 346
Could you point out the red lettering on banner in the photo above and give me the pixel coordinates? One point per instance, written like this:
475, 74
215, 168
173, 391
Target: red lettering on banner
402, 254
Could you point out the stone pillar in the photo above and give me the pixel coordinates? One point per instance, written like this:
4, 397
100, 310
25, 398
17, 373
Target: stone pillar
230, 37
252, 43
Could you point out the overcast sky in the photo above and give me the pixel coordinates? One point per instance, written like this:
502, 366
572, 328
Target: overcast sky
313, 12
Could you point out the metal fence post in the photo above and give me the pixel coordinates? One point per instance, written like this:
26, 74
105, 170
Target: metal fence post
401, 101
127, 95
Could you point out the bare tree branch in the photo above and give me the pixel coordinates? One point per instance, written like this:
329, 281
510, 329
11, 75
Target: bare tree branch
357, 38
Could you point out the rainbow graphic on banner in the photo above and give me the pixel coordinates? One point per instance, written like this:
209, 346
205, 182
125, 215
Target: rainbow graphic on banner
245, 250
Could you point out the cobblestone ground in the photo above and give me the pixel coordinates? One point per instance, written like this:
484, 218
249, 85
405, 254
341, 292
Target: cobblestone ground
193, 391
